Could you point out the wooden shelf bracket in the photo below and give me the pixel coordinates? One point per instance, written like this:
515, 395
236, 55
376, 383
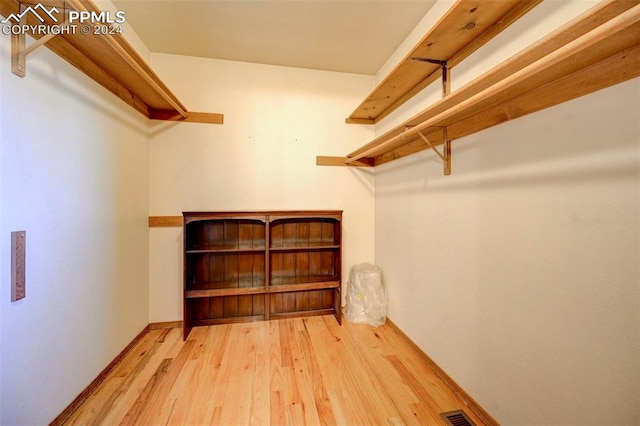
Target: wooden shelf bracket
445, 155
19, 49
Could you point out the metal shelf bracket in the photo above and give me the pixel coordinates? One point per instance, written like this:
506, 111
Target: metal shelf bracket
445, 155
446, 73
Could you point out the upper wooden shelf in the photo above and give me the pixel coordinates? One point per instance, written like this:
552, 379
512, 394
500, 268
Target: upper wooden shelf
596, 50
112, 62
466, 26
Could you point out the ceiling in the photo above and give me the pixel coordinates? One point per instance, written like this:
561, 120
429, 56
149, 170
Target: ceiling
353, 36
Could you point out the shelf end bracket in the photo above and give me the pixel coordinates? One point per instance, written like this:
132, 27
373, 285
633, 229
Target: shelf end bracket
19, 49
446, 73
445, 155
18, 45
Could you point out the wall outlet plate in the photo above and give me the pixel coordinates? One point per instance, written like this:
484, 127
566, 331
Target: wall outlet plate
18, 265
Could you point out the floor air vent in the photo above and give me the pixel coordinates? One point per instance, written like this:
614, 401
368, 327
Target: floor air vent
457, 418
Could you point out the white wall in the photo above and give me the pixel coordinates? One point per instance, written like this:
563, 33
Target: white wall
277, 120
2, 285
74, 174
519, 274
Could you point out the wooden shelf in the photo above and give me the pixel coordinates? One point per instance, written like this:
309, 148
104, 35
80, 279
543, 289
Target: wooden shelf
241, 291
594, 51
214, 250
165, 221
305, 247
284, 288
274, 288
112, 62
465, 27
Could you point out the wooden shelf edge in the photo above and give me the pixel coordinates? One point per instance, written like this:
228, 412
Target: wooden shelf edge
350, 120
222, 292
230, 320
194, 216
192, 117
244, 291
288, 288
285, 249
341, 161
467, 104
316, 214
260, 250
165, 221
300, 314
395, 89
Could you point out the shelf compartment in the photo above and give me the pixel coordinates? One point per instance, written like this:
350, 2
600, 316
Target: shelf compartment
224, 307
212, 271
304, 232
225, 235
285, 279
466, 27
302, 301
304, 266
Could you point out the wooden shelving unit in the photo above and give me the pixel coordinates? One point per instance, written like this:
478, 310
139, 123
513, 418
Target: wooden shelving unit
108, 59
249, 266
594, 51
466, 26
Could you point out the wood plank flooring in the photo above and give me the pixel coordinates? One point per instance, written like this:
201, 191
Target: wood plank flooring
302, 371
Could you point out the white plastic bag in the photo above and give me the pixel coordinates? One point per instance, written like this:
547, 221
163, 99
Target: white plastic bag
366, 297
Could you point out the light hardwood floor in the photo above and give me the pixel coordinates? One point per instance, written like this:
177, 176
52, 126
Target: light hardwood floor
302, 371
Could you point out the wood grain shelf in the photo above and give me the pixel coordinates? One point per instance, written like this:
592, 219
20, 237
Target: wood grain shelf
284, 288
596, 50
225, 250
224, 292
466, 26
113, 63
274, 288
165, 221
305, 247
